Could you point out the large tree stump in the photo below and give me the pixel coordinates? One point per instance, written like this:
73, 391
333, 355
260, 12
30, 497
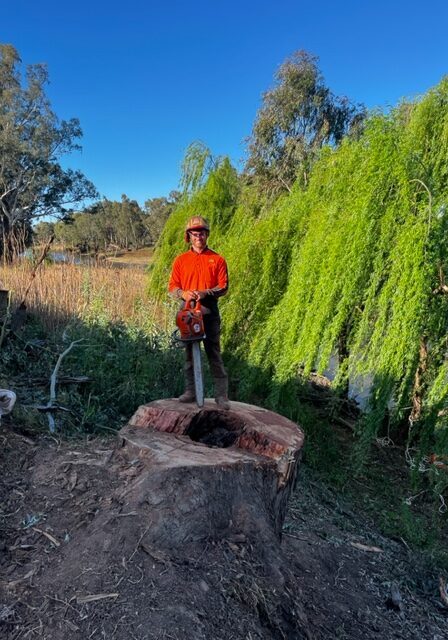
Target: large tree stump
207, 473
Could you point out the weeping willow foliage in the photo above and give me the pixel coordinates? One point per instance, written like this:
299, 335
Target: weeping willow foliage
353, 265
216, 200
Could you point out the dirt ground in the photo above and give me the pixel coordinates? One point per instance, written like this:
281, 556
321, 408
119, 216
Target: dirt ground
74, 564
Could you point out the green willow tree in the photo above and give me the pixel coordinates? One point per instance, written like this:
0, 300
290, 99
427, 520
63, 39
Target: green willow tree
352, 266
32, 139
371, 267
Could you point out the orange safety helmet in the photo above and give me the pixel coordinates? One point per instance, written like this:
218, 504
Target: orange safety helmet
196, 222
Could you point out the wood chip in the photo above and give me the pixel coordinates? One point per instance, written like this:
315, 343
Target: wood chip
93, 598
51, 538
443, 591
22, 547
156, 555
14, 583
72, 480
365, 547
71, 626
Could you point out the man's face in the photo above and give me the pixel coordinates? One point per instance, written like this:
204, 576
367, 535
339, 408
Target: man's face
198, 239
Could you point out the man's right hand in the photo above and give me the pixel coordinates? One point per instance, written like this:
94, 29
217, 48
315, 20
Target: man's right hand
189, 295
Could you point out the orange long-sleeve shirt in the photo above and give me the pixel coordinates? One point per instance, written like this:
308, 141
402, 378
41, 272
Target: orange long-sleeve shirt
206, 271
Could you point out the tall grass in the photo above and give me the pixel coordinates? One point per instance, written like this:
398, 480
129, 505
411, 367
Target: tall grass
61, 292
124, 347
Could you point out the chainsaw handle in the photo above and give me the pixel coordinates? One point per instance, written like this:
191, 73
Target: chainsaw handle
193, 304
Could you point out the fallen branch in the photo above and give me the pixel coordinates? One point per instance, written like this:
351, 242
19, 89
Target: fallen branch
93, 598
366, 547
51, 538
45, 408
52, 404
62, 380
14, 583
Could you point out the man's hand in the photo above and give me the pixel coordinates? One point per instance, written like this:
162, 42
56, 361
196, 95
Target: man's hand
189, 295
193, 295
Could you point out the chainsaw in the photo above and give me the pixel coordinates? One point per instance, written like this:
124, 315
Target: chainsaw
190, 323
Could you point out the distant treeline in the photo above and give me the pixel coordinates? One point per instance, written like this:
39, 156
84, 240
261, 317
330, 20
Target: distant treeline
34, 186
110, 225
350, 261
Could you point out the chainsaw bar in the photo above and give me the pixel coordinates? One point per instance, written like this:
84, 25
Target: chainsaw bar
197, 370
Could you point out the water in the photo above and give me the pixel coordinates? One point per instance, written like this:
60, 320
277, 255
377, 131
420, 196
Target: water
70, 257
359, 387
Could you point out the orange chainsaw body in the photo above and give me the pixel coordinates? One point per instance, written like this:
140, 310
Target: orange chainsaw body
190, 322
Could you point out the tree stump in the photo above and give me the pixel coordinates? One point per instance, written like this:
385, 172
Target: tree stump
205, 473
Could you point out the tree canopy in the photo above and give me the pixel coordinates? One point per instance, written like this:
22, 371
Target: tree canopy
298, 115
32, 140
111, 224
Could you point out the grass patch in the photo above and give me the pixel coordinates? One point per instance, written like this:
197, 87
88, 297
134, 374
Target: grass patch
141, 257
124, 348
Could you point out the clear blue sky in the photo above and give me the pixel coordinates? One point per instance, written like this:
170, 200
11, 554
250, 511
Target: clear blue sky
147, 78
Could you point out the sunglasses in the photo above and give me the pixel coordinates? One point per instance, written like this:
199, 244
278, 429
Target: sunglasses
197, 234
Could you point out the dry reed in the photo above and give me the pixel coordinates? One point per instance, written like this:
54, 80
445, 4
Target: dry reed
62, 292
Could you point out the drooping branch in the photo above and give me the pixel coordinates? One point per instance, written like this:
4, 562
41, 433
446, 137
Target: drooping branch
418, 390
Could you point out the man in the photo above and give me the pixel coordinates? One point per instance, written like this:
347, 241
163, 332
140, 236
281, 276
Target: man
201, 274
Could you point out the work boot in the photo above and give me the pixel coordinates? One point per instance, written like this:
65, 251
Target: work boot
187, 396
221, 398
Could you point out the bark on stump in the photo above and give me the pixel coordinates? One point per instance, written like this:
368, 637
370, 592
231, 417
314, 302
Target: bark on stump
205, 473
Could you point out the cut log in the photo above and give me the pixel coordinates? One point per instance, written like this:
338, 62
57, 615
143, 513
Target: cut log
205, 473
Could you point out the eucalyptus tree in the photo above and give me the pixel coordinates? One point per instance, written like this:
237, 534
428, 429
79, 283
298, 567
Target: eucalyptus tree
33, 183
43, 231
298, 115
157, 211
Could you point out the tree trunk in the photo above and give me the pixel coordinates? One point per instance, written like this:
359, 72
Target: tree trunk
207, 474
343, 355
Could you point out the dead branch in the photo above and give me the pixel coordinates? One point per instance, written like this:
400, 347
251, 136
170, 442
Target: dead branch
442, 288
94, 598
33, 274
61, 380
51, 538
52, 404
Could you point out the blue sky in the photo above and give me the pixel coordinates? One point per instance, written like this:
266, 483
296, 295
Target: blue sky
147, 78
